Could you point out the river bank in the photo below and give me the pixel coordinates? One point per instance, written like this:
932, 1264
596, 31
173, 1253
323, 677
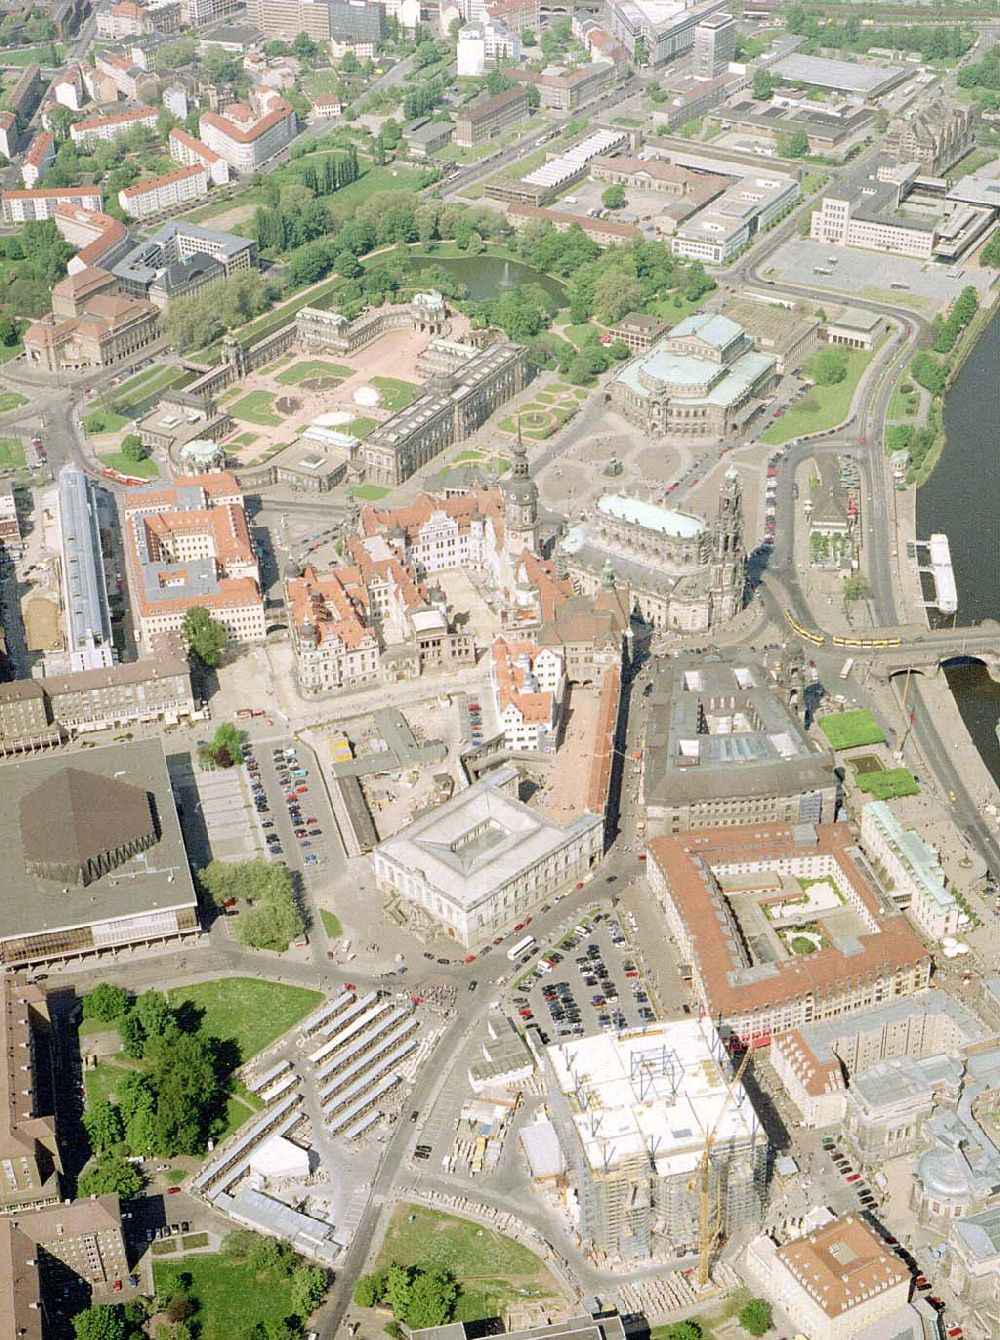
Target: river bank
962, 499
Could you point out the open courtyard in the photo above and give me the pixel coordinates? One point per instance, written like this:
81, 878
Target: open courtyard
350, 393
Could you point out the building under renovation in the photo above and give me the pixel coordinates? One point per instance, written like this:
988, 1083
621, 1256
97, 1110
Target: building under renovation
634, 1112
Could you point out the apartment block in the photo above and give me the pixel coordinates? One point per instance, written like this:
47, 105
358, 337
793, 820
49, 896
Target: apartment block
85, 134
101, 239
244, 140
42, 202
714, 45
488, 117
38, 713
568, 92
30, 1164
911, 870
159, 194
39, 158
189, 151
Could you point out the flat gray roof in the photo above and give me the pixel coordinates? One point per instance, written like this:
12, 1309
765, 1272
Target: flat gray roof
849, 76
155, 880
717, 730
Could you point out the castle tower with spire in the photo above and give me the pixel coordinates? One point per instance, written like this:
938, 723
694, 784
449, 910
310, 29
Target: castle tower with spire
520, 496
729, 556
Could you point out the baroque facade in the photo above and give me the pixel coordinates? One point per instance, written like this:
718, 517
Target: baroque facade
677, 570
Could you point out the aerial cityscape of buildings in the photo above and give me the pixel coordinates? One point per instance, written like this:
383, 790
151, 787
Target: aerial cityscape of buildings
497, 840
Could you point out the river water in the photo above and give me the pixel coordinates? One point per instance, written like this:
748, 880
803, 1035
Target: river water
962, 498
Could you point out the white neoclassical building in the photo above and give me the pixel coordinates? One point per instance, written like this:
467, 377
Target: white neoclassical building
478, 863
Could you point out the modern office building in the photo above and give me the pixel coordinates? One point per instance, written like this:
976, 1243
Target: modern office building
836, 1282
733, 219
911, 872
94, 855
725, 746
815, 1062
30, 1163
632, 1111
569, 92
714, 45
664, 27
38, 713
704, 379
878, 214
349, 23
190, 545
180, 258
766, 954
677, 570
482, 860
84, 582
245, 140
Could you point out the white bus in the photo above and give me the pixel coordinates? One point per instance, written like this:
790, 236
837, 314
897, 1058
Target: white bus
847, 667
515, 951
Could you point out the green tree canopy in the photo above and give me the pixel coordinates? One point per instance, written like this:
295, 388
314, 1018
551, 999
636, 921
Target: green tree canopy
110, 1174
829, 366
103, 1123
755, 1316
106, 1321
105, 1002
205, 636
613, 197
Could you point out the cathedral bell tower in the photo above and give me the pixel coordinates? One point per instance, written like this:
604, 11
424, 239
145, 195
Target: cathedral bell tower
729, 557
520, 496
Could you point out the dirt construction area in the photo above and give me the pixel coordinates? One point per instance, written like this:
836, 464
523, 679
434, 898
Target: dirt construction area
275, 404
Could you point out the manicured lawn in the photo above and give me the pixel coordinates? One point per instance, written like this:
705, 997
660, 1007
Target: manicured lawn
28, 55
359, 427
145, 387
331, 924
11, 454
369, 492
10, 400
144, 469
395, 394
903, 406
101, 1080
256, 408
231, 1298
312, 367
321, 81
848, 730
250, 1012
489, 1266
10, 351
104, 421
245, 439
824, 406
889, 784
236, 1114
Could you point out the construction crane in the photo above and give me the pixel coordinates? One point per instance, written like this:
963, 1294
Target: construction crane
709, 1221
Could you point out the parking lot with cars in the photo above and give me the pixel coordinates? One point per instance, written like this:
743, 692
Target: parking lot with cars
589, 981
292, 811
